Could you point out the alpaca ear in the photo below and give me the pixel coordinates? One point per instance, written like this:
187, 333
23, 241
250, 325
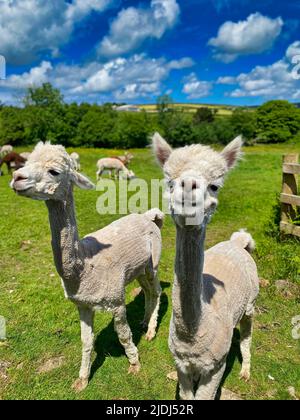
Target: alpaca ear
82, 182
233, 152
161, 148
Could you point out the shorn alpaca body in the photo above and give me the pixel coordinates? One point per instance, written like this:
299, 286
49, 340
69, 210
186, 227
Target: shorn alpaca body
113, 165
213, 291
12, 160
96, 269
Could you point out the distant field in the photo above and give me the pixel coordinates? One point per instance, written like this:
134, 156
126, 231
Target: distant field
222, 110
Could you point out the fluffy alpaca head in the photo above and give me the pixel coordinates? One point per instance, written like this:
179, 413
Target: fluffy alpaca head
48, 174
194, 176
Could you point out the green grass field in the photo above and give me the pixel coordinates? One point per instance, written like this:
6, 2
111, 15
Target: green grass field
222, 110
42, 325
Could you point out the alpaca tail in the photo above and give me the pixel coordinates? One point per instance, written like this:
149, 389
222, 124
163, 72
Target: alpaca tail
156, 216
244, 239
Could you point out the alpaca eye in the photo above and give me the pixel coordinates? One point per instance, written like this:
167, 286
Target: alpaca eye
214, 188
53, 172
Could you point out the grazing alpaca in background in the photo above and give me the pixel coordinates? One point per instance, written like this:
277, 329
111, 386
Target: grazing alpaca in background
12, 160
4, 150
215, 290
76, 159
96, 269
113, 165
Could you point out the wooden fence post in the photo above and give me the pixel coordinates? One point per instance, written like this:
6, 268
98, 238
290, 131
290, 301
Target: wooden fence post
290, 187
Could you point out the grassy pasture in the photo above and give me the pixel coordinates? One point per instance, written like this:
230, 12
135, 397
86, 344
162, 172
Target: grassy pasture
222, 110
42, 325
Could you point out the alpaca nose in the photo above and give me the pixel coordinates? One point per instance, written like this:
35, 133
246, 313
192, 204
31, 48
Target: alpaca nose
18, 176
189, 184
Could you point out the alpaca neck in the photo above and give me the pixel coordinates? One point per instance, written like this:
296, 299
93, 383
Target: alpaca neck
187, 299
65, 240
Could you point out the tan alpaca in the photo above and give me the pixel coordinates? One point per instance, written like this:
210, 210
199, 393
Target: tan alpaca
126, 159
113, 165
96, 269
213, 291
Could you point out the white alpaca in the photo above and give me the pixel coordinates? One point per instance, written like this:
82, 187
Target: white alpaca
213, 291
76, 159
5, 150
96, 269
113, 165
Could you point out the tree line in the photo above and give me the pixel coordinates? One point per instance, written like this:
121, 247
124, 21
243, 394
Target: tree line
45, 116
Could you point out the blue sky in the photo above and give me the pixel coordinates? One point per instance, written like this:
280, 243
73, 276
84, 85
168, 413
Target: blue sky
209, 51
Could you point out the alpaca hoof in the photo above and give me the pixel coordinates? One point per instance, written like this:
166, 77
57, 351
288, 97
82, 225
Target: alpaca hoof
245, 375
172, 376
134, 369
150, 335
80, 385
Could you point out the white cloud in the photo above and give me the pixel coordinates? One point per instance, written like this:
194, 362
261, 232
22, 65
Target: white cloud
36, 76
120, 79
195, 88
134, 25
293, 50
183, 63
133, 77
227, 80
254, 35
274, 81
31, 27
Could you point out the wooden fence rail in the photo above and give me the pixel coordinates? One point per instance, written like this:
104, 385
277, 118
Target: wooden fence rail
289, 197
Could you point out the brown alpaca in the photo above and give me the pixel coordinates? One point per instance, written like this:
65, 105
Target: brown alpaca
12, 158
126, 159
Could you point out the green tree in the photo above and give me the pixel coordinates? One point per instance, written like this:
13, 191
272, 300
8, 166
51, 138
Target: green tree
204, 115
44, 96
244, 122
277, 121
132, 130
164, 104
45, 114
12, 126
97, 127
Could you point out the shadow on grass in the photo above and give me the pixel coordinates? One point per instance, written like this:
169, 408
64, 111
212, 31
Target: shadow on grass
107, 343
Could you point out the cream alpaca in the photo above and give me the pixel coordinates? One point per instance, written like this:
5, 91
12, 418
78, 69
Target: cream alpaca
215, 290
5, 150
96, 269
113, 165
76, 159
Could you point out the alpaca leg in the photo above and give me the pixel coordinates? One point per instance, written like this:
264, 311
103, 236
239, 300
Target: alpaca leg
246, 341
99, 174
186, 384
87, 337
155, 294
209, 385
125, 336
143, 281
